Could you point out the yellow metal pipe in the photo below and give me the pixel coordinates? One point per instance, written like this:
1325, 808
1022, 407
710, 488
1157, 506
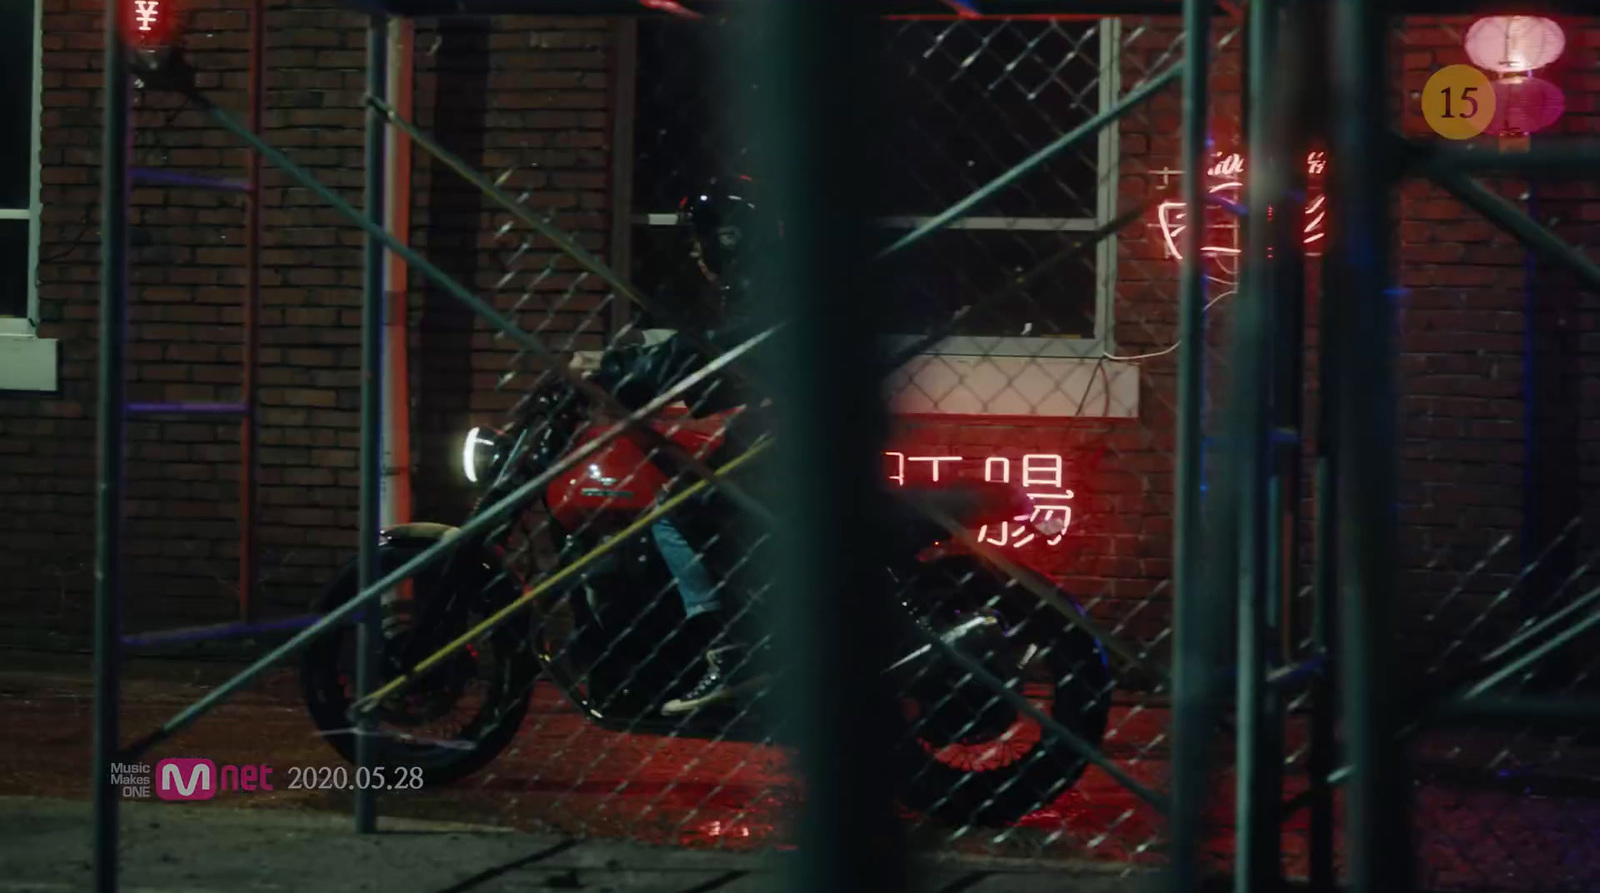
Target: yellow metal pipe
433, 660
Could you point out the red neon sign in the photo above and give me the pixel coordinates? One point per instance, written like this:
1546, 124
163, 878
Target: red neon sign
1227, 182
1042, 476
148, 24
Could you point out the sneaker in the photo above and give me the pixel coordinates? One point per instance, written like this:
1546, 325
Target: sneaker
716, 685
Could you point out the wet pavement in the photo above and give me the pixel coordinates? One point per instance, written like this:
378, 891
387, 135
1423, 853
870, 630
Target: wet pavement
564, 777
176, 848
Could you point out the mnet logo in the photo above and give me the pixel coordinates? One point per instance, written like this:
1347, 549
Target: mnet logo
186, 779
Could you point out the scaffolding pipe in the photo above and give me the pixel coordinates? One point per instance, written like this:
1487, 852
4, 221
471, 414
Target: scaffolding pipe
114, 152
370, 632
813, 114
396, 498
1260, 394
251, 359
1194, 683
1378, 853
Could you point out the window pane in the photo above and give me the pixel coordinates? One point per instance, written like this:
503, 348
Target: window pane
950, 269
16, 102
13, 267
968, 100
965, 101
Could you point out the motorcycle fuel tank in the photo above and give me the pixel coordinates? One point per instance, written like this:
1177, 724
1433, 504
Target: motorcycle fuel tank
620, 478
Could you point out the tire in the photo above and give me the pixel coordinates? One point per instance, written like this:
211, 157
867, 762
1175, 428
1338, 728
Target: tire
325, 689
1075, 674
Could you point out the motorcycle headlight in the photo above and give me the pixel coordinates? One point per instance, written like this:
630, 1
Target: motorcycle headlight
480, 452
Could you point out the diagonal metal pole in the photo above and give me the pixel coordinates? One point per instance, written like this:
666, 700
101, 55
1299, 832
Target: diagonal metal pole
1087, 129
1048, 724
554, 234
480, 525
109, 433
1550, 646
1502, 213
516, 335
372, 700
1043, 589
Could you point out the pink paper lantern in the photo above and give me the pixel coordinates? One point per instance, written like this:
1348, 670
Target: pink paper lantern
1511, 44
1525, 104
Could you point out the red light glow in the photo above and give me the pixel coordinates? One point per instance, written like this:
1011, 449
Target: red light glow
1524, 104
149, 24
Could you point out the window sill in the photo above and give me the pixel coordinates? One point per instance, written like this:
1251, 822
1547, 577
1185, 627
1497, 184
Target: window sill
1036, 386
27, 363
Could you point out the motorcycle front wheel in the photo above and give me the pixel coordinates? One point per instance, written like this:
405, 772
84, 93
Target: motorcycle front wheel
969, 757
454, 720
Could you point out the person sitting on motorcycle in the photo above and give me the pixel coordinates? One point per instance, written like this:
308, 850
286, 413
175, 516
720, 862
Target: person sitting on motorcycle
723, 228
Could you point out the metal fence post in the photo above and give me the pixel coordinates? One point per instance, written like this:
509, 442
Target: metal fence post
1194, 682
1260, 392
108, 489
370, 638
807, 130
1378, 852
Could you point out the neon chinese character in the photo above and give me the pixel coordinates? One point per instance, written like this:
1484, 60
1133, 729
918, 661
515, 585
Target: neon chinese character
899, 475
934, 461
1228, 177
1042, 479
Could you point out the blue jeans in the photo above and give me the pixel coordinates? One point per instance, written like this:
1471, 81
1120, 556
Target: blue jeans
695, 585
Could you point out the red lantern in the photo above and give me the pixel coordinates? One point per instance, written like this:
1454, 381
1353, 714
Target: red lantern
1511, 44
1525, 104
149, 24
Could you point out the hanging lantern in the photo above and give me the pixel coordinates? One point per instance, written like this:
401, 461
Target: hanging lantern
1512, 44
1525, 104
149, 24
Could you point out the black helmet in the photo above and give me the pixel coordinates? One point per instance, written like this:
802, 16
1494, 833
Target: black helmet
724, 227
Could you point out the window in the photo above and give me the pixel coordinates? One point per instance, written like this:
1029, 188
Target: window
26, 362
966, 100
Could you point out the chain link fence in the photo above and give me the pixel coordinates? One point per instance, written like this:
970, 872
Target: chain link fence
1034, 334
586, 652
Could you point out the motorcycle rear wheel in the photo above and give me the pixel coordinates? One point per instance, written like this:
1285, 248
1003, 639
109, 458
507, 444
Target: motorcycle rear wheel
960, 765
328, 691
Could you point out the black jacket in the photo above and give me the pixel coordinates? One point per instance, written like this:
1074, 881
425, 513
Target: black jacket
637, 374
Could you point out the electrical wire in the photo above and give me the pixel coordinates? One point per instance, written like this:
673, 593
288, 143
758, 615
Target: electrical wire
1174, 345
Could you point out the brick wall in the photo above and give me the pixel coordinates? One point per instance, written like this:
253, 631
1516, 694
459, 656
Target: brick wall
547, 115
535, 95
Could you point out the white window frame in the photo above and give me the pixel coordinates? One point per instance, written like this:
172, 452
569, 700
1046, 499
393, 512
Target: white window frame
998, 375
1109, 88
28, 362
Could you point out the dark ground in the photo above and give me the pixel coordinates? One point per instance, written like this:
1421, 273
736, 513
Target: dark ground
173, 848
565, 779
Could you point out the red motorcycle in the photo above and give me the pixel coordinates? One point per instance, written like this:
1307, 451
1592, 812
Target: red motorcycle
609, 638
